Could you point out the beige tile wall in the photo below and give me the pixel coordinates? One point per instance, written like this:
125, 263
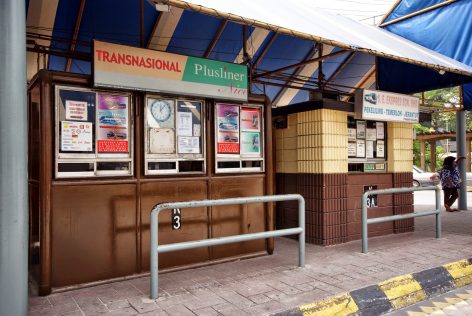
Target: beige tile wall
400, 147
314, 142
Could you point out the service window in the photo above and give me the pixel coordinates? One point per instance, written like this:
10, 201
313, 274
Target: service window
93, 133
239, 138
174, 141
366, 145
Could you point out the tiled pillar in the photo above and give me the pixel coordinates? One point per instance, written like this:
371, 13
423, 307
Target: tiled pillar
400, 162
319, 174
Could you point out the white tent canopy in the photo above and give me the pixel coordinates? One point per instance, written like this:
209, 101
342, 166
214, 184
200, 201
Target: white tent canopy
302, 19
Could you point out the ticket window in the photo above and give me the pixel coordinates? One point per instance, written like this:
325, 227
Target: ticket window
239, 138
367, 141
93, 133
174, 142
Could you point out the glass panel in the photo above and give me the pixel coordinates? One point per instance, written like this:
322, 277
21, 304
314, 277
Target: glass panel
189, 127
162, 165
229, 164
160, 116
113, 166
76, 116
75, 167
190, 166
113, 124
252, 164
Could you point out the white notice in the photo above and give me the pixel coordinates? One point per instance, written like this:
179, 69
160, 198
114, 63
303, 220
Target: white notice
351, 134
380, 130
184, 124
380, 149
371, 134
351, 149
360, 145
369, 149
76, 136
197, 130
161, 141
76, 110
189, 145
360, 125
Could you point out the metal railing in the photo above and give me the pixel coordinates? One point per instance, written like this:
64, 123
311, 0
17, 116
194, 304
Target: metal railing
156, 249
366, 221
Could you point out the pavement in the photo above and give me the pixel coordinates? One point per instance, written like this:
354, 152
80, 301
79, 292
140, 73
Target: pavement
453, 303
274, 284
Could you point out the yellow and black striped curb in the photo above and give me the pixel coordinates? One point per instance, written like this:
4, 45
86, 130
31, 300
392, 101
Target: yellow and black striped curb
392, 294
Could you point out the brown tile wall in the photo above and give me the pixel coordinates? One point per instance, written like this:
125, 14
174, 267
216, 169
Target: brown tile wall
326, 205
333, 205
403, 202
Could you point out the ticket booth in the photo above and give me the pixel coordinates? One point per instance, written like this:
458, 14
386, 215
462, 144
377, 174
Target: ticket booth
331, 152
148, 127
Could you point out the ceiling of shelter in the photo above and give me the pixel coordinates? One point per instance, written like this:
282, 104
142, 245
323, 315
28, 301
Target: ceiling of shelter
60, 33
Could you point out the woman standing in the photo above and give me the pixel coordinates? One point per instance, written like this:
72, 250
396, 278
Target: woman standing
450, 181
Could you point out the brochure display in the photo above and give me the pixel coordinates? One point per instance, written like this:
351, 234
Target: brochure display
93, 134
173, 136
366, 145
239, 138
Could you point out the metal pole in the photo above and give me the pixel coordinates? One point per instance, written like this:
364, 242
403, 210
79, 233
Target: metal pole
438, 214
461, 138
154, 255
364, 223
156, 249
13, 160
301, 237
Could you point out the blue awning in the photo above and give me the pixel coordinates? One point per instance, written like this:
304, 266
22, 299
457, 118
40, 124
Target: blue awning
279, 34
446, 29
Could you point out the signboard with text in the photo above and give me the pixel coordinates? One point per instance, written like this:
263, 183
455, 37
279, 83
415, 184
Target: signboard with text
386, 106
129, 67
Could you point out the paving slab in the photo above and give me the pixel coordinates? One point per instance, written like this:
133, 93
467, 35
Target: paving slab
272, 284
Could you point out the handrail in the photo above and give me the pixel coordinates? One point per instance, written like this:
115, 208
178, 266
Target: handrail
156, 249
366, 221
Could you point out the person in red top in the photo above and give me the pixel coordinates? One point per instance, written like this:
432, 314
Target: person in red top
450, 181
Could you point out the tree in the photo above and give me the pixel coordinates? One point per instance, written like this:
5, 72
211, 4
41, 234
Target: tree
419, 128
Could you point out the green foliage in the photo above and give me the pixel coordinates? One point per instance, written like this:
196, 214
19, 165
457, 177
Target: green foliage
417, 149
447, 98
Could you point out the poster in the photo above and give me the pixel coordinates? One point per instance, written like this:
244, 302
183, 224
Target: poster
360, 128
76, 110
380, 130
369, 149
351, 134
189, 145
112, 134
371, 134
250, 120
161, 141
351, 149
380, 149
184, 124
76, 136
227, 129
360, 148
250, 143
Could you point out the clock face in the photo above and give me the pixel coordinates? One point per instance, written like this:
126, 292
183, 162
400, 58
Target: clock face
161, 110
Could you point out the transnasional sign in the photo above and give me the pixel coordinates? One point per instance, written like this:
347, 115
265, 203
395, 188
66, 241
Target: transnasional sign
386, 106
122, 66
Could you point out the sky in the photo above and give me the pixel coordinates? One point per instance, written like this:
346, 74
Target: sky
366, 11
